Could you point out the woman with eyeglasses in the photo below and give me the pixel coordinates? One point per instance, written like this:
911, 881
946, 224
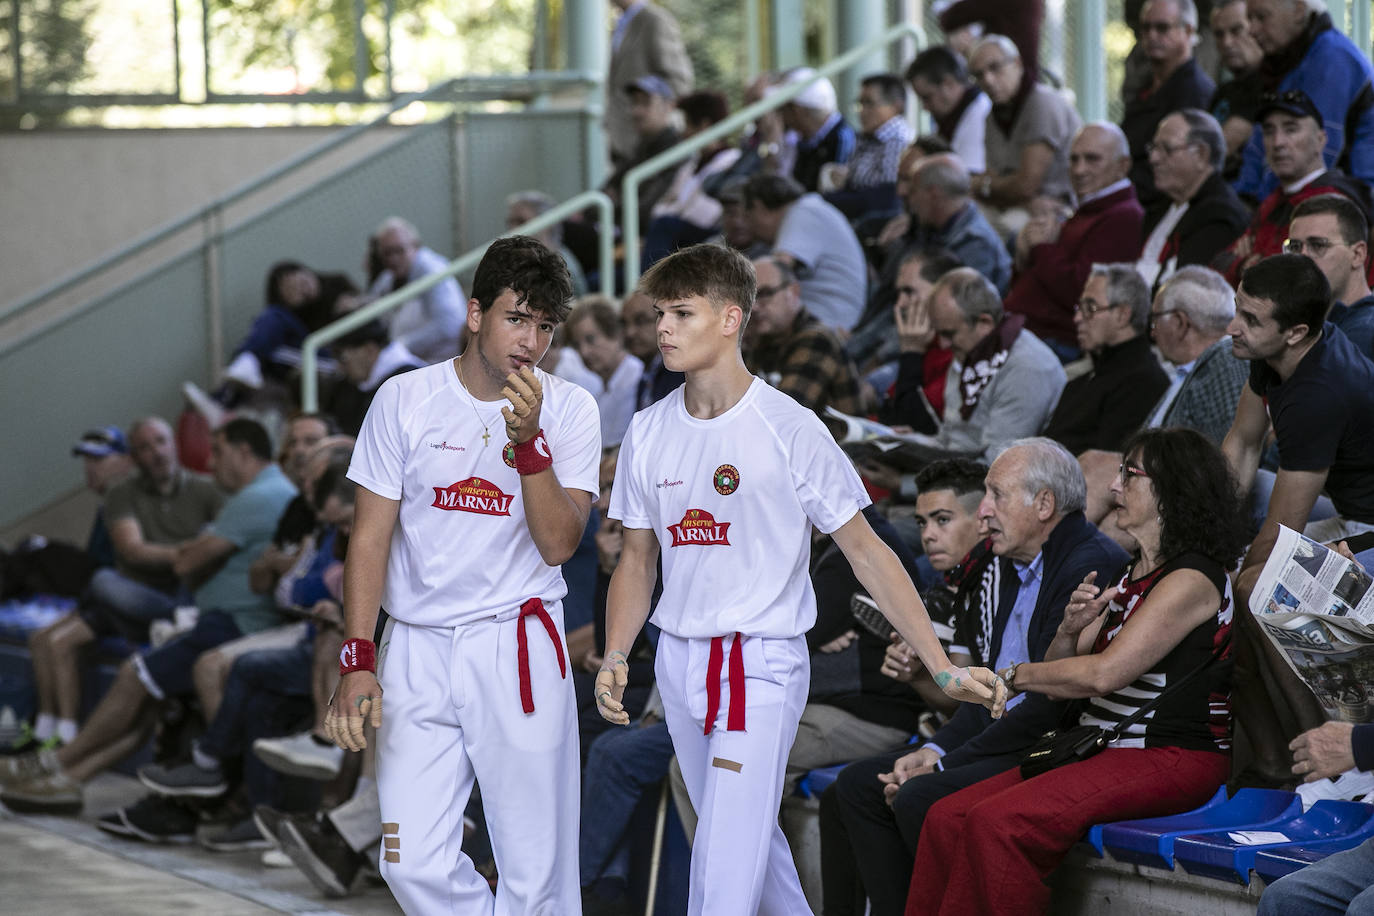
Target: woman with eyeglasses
988, 848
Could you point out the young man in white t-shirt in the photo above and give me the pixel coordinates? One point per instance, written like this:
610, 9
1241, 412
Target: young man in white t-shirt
728, 476
459, 534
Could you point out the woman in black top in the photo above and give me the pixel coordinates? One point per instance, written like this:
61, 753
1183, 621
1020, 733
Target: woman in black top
988, 848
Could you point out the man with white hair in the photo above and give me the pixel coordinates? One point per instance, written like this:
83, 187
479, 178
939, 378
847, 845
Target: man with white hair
1304, 51
429, 324
824, 136
1054, 256
1167, 34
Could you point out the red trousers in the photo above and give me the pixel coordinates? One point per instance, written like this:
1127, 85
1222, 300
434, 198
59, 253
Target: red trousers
987, 849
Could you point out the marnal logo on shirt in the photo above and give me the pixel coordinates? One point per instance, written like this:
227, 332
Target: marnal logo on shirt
473, 495
699, 527
665, 482
445, 447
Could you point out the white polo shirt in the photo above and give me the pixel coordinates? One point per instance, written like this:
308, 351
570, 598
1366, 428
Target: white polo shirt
732, 501
461, 550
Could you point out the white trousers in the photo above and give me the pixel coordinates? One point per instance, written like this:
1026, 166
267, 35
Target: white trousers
741, 864
451, 714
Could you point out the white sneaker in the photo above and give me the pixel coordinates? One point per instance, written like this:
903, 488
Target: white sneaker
300, 755
275, 858
1352, 785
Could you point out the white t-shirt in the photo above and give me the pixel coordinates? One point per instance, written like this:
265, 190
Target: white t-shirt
731, 501
461, 550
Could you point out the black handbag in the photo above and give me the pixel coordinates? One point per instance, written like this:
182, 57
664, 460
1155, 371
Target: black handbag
1070, 745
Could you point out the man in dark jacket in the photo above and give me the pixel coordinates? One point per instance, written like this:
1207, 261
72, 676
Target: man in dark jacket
1104, 406
1032, 511
1166, 33
1200, 214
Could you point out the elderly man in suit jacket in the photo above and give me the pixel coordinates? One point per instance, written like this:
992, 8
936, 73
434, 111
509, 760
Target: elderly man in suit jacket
646, 42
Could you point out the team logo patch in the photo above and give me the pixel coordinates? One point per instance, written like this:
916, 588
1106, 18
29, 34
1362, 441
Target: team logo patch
508, 454
725, 479
473, 495
699, 527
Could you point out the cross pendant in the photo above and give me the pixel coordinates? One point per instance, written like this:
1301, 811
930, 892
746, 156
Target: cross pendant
486, 437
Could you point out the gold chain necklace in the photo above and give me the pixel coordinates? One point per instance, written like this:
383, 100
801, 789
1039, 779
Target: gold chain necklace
472, 401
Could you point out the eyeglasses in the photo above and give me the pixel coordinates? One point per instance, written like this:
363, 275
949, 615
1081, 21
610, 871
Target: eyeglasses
1289, 97
1090, 307
1315, 246
768, 292
1155, 316
1128, 471
1159, 28
1165, 149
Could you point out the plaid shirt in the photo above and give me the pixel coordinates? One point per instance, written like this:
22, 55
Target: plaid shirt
877, 155
809, 363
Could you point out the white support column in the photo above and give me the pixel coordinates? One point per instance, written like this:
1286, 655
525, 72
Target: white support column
1090, 59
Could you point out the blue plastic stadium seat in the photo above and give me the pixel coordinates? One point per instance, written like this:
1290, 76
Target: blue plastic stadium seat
1092, 841
1217, 855
1272, 864
1150, 841
814, 782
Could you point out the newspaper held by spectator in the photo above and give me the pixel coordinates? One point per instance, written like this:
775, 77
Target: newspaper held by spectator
1318, 609
863, 439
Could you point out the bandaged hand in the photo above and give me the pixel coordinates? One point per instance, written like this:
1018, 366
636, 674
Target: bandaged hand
609, 689
526, 397
356, 702
974, 685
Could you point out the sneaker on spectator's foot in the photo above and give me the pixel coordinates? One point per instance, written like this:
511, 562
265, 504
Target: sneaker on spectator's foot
269, 821
186, 779
318, 851
275, 858
27, 767
233, 836
113, 823
300, 755
48, 793
27, 743
155, 819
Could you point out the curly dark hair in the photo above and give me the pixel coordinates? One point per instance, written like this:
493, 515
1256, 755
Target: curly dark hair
527, 267
1199, 504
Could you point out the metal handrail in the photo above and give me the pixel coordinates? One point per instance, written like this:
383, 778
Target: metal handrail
473, 87
629, 194
310, 395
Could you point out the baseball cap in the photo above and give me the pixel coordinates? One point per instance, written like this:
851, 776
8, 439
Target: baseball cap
1292, 101
97, 443
654, 85
819, 96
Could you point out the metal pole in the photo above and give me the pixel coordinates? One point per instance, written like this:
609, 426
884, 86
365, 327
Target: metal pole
588, 53
860, 21
1090, 60
785, 30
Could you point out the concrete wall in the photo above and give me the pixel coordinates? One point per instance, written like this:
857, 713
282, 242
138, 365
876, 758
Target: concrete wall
72, 196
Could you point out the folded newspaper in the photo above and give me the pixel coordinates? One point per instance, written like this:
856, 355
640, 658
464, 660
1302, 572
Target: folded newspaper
1318, 609
868, 440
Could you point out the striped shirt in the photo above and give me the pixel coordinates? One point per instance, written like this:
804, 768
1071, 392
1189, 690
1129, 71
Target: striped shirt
1197, 717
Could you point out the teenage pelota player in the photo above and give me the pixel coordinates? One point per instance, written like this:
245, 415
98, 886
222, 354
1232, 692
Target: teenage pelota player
725, 478
459, 534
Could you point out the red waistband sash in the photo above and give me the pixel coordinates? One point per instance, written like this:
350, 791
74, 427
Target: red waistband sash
534, 607
734, 720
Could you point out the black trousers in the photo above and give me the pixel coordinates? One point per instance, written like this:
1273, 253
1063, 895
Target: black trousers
868, 848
